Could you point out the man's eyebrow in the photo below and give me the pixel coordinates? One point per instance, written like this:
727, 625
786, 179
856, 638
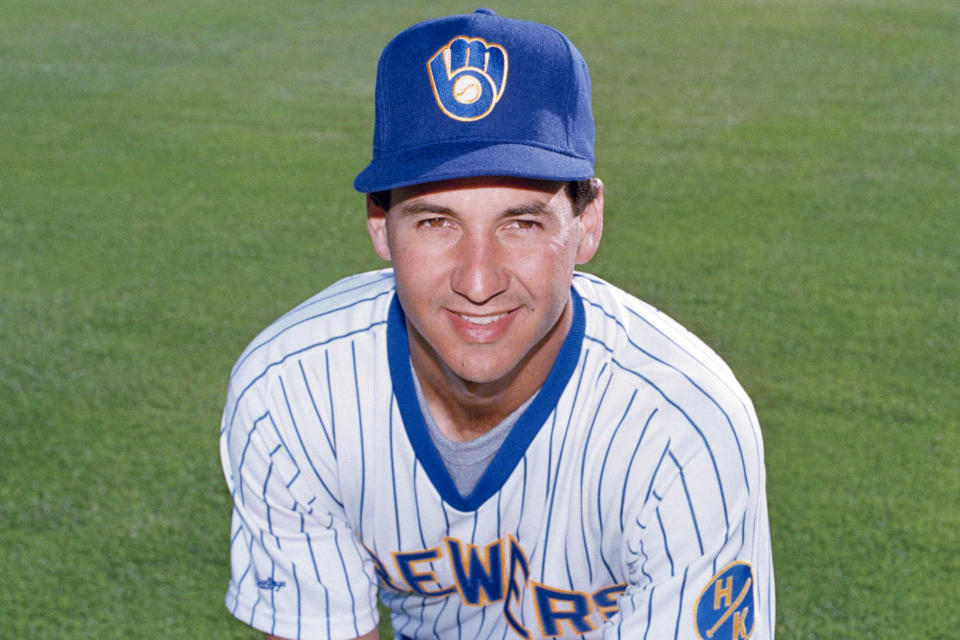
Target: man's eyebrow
424, 207
531, 209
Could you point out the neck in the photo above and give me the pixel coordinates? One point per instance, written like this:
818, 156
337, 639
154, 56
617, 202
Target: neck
466, 409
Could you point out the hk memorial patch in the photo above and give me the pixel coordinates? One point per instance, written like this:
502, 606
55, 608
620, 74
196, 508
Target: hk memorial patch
725, 608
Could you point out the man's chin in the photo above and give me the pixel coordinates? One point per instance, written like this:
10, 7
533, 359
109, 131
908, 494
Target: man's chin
484, 372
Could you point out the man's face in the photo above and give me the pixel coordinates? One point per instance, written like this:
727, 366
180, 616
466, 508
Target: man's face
483, 269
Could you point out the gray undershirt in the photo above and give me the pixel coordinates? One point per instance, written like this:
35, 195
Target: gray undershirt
466, 461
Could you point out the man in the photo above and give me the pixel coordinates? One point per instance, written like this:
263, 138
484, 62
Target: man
497, 445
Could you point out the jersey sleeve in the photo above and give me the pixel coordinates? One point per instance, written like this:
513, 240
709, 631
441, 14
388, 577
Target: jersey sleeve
297, 568
698, 560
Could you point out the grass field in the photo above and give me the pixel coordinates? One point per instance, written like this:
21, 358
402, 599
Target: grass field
783, 178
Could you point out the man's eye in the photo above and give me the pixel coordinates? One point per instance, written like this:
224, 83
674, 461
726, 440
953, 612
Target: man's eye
523, 224
434, 223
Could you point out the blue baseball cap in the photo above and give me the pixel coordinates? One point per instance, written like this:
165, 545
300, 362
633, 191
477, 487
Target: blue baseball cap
479, 95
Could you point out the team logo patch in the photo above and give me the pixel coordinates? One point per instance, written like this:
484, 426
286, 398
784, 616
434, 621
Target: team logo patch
725, 609
468, 76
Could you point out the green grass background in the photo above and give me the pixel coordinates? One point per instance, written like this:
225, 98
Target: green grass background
782, 178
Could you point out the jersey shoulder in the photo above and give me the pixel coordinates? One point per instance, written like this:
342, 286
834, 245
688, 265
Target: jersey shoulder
347, 307
653, 354
630, 324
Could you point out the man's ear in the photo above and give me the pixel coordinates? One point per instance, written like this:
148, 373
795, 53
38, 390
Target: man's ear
377, 228
591, 226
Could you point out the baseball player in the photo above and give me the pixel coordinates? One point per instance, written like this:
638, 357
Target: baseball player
494, 444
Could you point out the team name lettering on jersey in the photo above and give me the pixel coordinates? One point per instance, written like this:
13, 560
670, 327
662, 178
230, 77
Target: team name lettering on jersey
499, 572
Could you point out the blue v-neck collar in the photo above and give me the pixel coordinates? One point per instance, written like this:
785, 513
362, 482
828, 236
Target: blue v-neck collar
516, 442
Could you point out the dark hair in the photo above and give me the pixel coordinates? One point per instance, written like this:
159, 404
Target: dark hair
580, 192
381, 199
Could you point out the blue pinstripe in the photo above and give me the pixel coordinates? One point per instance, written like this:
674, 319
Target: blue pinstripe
276, 429
643, 569
266, 481
296, 584
333, 416
243, 456
363, 462
566, 560
553, 429
523, 492
436, 633
393, 474
316, 573
499, 501
273, 598
556, 475
292, 480
416, 502
600, 374
446, 518
326, 606
686, 492
656, 469
633, 457
313, 403
683, 586
649, 612
583, 469
253, 612
666, 544
423, 541
243, 576
346, 579
603, 467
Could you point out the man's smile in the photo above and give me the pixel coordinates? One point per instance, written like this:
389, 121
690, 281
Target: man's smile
481, 328
483, 320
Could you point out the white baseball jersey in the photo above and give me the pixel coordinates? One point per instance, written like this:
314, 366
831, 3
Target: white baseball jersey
628, 500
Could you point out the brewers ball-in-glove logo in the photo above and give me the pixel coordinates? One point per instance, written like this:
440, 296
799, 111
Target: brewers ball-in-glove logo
724, 611
468, 76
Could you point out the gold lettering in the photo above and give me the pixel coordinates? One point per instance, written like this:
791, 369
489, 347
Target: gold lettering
722, 593
739, 623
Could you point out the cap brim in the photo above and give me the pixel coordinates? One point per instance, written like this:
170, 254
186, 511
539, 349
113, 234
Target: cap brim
456, 160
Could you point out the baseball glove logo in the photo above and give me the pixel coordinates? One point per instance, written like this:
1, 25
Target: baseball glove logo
724, 610
468, 76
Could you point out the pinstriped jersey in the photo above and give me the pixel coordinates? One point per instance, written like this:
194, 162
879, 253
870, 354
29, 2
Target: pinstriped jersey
628, 500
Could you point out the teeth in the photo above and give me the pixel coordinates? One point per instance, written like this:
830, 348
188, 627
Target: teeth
482, 320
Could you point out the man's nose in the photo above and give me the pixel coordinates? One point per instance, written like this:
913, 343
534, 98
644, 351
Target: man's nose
479, 275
